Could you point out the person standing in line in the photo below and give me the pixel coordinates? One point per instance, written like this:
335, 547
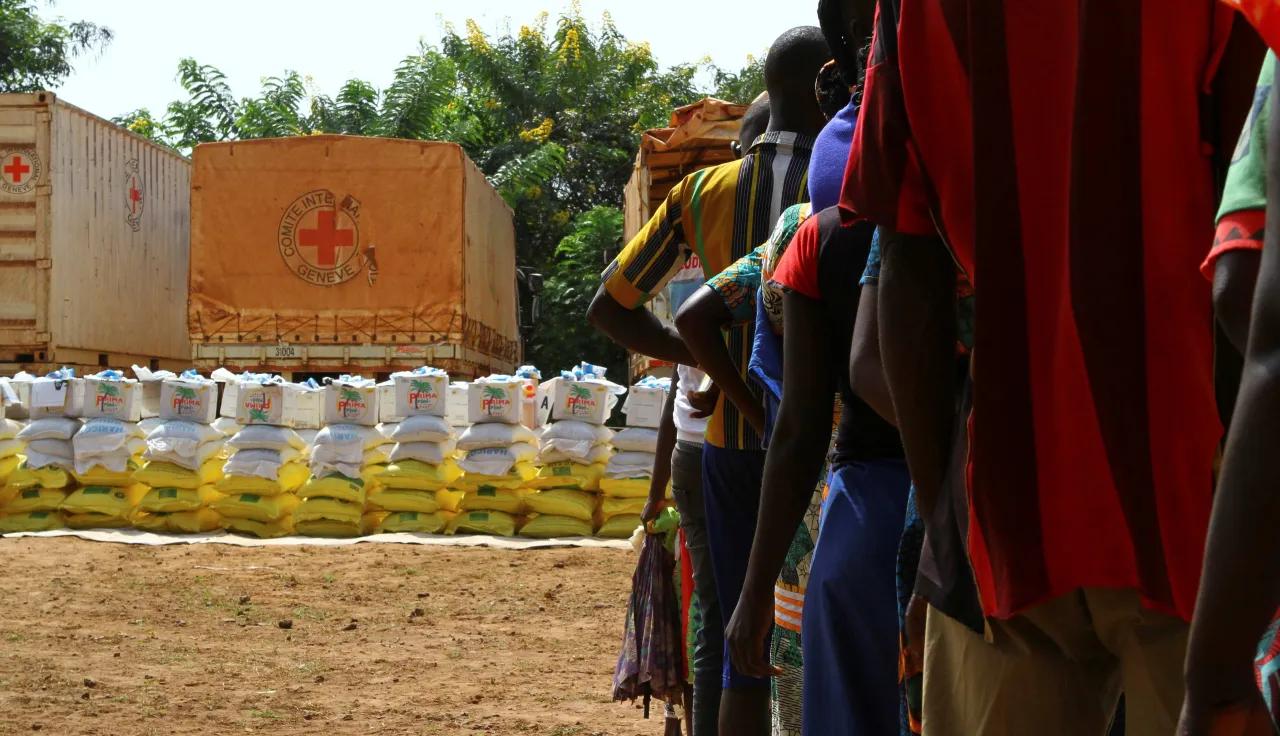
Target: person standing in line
1029, 145
720, 214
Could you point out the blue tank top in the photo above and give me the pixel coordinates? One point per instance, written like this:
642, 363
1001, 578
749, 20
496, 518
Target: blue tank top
830, 155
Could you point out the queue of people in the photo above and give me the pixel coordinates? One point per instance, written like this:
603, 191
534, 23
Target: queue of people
923, 499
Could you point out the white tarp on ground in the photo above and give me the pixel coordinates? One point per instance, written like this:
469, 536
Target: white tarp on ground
133, 536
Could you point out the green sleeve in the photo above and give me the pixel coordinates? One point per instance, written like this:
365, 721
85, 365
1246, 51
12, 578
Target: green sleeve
1246, 187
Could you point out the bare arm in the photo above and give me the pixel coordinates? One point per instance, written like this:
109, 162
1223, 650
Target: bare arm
866, 368
662, 456
637, 330
917, 304
701, 322
801, 435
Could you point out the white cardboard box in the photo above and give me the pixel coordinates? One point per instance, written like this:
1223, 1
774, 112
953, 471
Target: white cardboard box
113, 399
278, 404
644, 406
52, 397
583, 401
150, 398
495, 401
457, 408
193, 401
421, 394
387, 403
346, 403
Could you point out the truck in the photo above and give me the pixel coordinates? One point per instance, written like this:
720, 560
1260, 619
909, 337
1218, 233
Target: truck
94, 237
701, 135
327, 254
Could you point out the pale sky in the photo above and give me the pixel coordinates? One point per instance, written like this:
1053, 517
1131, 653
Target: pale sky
334, 40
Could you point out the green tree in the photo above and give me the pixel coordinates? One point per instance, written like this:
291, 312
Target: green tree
742, 86
564, 337
35, 54
142, 122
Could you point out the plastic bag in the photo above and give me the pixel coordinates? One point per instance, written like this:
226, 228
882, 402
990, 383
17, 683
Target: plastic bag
636, 439
630, 465
349, 436
9, 448
256, 506
481, 436
261, 463
96, 521
625, 487
100, 436
172, 500
341, 487
327, 528
329, 509
49, 477
432, 453
182, 453
289, 479
198, 521
99, 475
558, 451
510, 501
553, 527
398, 499
449, 499
335, 455
9, 429
518, 477
228, 426
497, 461
379, 455
568, 475
168, 475
574, 504
571, 429
611, 507
184, 435
115, 460
619, 527
415, 522
266, 437
35, 499
483, 522
415, 475
50, 428
51, 452
32, 521
117, 502
261, 529
7, 466
421, 428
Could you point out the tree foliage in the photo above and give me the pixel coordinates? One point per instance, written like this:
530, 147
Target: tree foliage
551, 113
35, 54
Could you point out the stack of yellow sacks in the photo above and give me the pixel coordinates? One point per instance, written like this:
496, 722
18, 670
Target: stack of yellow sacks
571, 461
106, 453
625, 486
345, 460
260, 481
496, 471
26, 504
42, 479
182, 462
413, 490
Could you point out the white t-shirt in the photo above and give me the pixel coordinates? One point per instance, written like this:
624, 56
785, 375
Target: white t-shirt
688, 429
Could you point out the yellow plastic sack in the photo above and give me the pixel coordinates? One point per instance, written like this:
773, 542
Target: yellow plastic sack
35, 499
449, 500
418, 476
560, 502
412, 521
328, 509
625, 487
369, 474
482, 522
34, 521
611, 507
8, 465
193, 522
159, 474
519, 477
261, 529
290, 479
97, 521
545, 526
327, 528
100, 476
370, 522
157, 523
399, 499
256, 507
47, 477
105, 500
171, 500
494, 499
621, 526
569, 475
334, 486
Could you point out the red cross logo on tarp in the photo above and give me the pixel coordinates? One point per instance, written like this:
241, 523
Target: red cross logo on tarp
15, 169
135, 194
326, 238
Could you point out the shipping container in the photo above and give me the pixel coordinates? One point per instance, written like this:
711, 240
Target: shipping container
333, 254
701, 135
94, 233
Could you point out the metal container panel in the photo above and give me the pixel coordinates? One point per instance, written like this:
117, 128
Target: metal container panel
492, 324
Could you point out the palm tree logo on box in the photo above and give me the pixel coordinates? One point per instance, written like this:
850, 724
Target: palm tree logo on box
423, 395
108, 399
494, 402
257, 404
580, 402
185, 403
351, 403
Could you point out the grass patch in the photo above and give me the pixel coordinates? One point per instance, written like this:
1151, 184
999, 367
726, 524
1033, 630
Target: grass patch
565, 731
270, 714
412, 571
15, 638
330, 577
308, 612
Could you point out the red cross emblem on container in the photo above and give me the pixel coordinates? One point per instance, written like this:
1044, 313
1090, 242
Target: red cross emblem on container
319, 238
19, 171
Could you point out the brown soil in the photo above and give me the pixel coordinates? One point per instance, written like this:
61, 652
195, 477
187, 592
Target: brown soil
112, 639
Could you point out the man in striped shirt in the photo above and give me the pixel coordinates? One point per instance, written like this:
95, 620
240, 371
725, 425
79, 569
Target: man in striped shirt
1059, 153
720, 214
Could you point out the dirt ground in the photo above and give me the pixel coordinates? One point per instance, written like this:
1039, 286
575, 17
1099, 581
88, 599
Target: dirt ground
389, 639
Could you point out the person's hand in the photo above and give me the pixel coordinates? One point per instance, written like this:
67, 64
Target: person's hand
1247, 717
917, 611
746, 634
704, 402
652, 508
